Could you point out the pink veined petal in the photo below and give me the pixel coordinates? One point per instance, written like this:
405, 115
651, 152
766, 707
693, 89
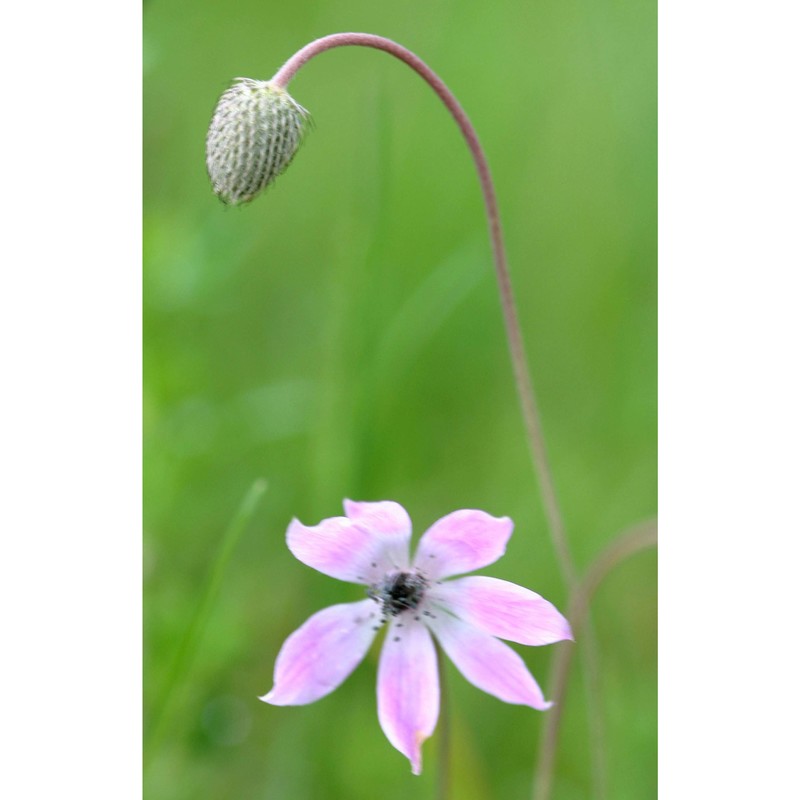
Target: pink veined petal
462, 542
322, 653
345, 549
408, 688
391, 522
486, 662
503, 609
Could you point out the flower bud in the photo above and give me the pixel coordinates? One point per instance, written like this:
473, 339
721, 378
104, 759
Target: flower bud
254, 133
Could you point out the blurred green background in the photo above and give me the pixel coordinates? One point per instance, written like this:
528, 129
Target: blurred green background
342, 337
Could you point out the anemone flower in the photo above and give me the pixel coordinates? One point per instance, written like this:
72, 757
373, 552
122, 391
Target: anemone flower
370, 546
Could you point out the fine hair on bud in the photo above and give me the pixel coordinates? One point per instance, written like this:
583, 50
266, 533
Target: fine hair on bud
256, 129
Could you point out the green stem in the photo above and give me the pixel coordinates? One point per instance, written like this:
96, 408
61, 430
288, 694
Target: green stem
188, 646
636, 539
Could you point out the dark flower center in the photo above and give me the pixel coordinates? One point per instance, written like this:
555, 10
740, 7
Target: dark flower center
401, 591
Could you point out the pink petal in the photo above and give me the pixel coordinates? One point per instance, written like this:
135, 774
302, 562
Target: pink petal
408, 688
385, 517
351, 549
503, 609
461, 542
389, 521
321, 653
486, 662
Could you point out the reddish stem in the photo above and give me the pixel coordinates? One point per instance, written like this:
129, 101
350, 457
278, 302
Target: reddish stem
522, 376
639, 537
527, 397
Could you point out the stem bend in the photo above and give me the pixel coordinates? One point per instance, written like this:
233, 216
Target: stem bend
522, 376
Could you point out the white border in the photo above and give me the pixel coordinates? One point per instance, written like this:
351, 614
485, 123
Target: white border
70, 325
729, 263
71, 431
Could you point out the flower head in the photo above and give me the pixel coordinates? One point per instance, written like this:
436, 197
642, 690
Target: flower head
370, 546
256, 129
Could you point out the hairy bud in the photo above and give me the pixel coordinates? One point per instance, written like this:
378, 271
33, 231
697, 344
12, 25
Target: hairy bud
255, 132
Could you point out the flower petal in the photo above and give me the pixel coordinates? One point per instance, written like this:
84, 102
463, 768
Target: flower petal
348, 549
461, 542
390, 521
408, 688
322, 652
486, 662
503, 609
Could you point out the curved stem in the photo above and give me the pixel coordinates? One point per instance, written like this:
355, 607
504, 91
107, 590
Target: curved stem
638, 538
524, 383
522, 376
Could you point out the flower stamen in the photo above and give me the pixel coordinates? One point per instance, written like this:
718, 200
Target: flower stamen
399, 591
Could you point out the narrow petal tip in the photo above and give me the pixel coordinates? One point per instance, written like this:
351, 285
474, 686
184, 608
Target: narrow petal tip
350, 506
273, 697
416, 755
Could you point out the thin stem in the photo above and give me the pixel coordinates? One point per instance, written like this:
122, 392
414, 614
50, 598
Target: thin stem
636, 539
191, 638
524, 382
522, 375
593, 689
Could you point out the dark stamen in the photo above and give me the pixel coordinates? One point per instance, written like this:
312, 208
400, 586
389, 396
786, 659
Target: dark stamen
400, 591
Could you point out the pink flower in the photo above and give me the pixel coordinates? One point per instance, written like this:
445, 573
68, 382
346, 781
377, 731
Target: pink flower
370, 546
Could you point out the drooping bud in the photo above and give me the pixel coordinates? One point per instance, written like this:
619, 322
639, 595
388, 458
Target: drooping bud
254, 133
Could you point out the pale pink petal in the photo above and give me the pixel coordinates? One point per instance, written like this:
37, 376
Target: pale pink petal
348, 549
462, 542
503, 609
321, 653
486, 662
389, 521
408, 688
